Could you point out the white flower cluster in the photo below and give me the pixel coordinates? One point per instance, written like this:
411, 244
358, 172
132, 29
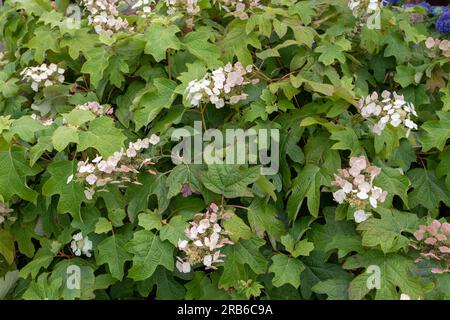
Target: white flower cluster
392, 109
189, 6
366, 12
437, 47
43, 75
104, 16
143, 7
361, 8
95, 108
356, 187
121, 167
223, 85
206, 237
44, 121
239, 8
81, 245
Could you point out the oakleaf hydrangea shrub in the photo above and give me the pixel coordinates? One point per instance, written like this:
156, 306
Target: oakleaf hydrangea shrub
96, 95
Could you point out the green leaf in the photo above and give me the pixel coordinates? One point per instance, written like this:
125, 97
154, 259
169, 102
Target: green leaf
7, 249
80, 41
427, 189
405, 75
174, 230
26, 127
396, 46
43, 288
8, 282
317, 270
262, 216
237, 228
231, 181
236, 41
71, 194
149, 221
167, 287
297, 248
437, 132
42, 259
388, 231
347, 140
152, 101
287, 270
103, 225
245, 252
102, 136
44, 39
307, 185
149, 252
97, 60
112, 252
77, 117
159, 38
335, 289
64, 135
330, 53
305, 9
197, 43
67, 270
394, 182
394, 273
138, 195
13, 172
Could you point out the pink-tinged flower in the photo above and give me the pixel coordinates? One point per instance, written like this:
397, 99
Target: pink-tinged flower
103, 182
441, 237
359, 179
183, 266
186, 190
437, 271
429, 255
217, 228
211, 242
213, 217
419, 235
360, 216
198, 243
91, 179
445, 228
359, 163
365, 187
182, 244
203, 225
89, 193
339, 196
429, 43
430, 240
213, 208
444, 249
362, 195
192, 232
338, 181
207, 260
434, 227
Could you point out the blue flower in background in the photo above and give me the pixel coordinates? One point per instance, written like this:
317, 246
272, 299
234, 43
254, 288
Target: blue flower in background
422, 4
438, 10
443, 23
388, 2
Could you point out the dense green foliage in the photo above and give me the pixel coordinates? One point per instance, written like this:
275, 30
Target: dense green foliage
291, 240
